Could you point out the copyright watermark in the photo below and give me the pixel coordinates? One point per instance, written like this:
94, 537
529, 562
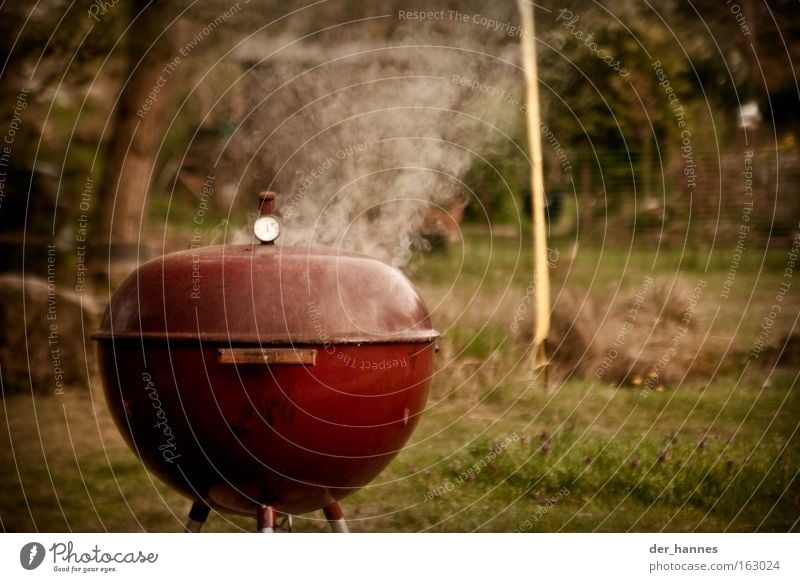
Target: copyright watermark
507, 28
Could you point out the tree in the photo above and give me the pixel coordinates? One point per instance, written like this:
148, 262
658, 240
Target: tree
143, 105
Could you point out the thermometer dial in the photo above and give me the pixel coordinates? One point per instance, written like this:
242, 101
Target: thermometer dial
267, 228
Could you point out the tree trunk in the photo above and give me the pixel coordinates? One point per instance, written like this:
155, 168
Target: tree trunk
646, 185
585, 209
143, 106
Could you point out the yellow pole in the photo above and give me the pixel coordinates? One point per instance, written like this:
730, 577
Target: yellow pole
541, 274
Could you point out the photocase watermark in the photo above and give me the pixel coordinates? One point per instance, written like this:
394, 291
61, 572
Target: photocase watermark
317, 172
53, 338
513, 101
744, 227
630, 319
82, 235
490, 90
530, 290
197, 235
568, 20
768, 322
507, 28
543, 510
169, 447
669, 353
101, 8
550, 137
741, 19
169, 69
689, 169
31, 555
8, 140
348, 360
422, 15
791, 261
316, 322
473, 471
152, 97
210, 27
355, 363
68, 559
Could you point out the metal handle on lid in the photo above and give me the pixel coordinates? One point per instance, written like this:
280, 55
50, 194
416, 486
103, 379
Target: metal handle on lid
266, 203
269, 356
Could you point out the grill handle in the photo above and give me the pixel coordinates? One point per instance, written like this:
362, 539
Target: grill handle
268, 356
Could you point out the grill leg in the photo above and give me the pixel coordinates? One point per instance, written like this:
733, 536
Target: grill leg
197, 517
265, 519
335, 517
283, 522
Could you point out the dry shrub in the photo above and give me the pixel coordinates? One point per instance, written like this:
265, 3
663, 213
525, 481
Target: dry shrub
570, 328
783, 352
651, 335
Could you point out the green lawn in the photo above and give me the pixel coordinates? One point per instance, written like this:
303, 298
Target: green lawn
715, 450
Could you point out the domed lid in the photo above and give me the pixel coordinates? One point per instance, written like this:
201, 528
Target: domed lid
267, 294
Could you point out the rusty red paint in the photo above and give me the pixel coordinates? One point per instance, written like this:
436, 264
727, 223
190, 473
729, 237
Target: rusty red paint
266, 203
295, 437
263, 294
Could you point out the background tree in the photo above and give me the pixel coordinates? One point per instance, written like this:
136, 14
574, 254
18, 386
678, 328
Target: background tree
142, 107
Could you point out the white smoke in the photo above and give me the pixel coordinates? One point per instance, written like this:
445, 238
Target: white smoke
360, 143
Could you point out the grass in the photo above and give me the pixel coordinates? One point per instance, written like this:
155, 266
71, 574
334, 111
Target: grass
714, 450
627, 461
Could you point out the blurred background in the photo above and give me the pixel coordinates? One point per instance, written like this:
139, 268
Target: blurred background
134, 128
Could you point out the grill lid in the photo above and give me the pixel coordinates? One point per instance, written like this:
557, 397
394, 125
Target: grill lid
264, 293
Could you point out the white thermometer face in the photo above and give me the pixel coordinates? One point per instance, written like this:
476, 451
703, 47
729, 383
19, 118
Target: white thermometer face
267, 228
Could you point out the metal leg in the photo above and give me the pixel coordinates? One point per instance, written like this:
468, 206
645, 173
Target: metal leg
265, 519
283, 523
335, 517
197, 517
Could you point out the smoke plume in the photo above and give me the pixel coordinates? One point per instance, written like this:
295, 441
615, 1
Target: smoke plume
361, 142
